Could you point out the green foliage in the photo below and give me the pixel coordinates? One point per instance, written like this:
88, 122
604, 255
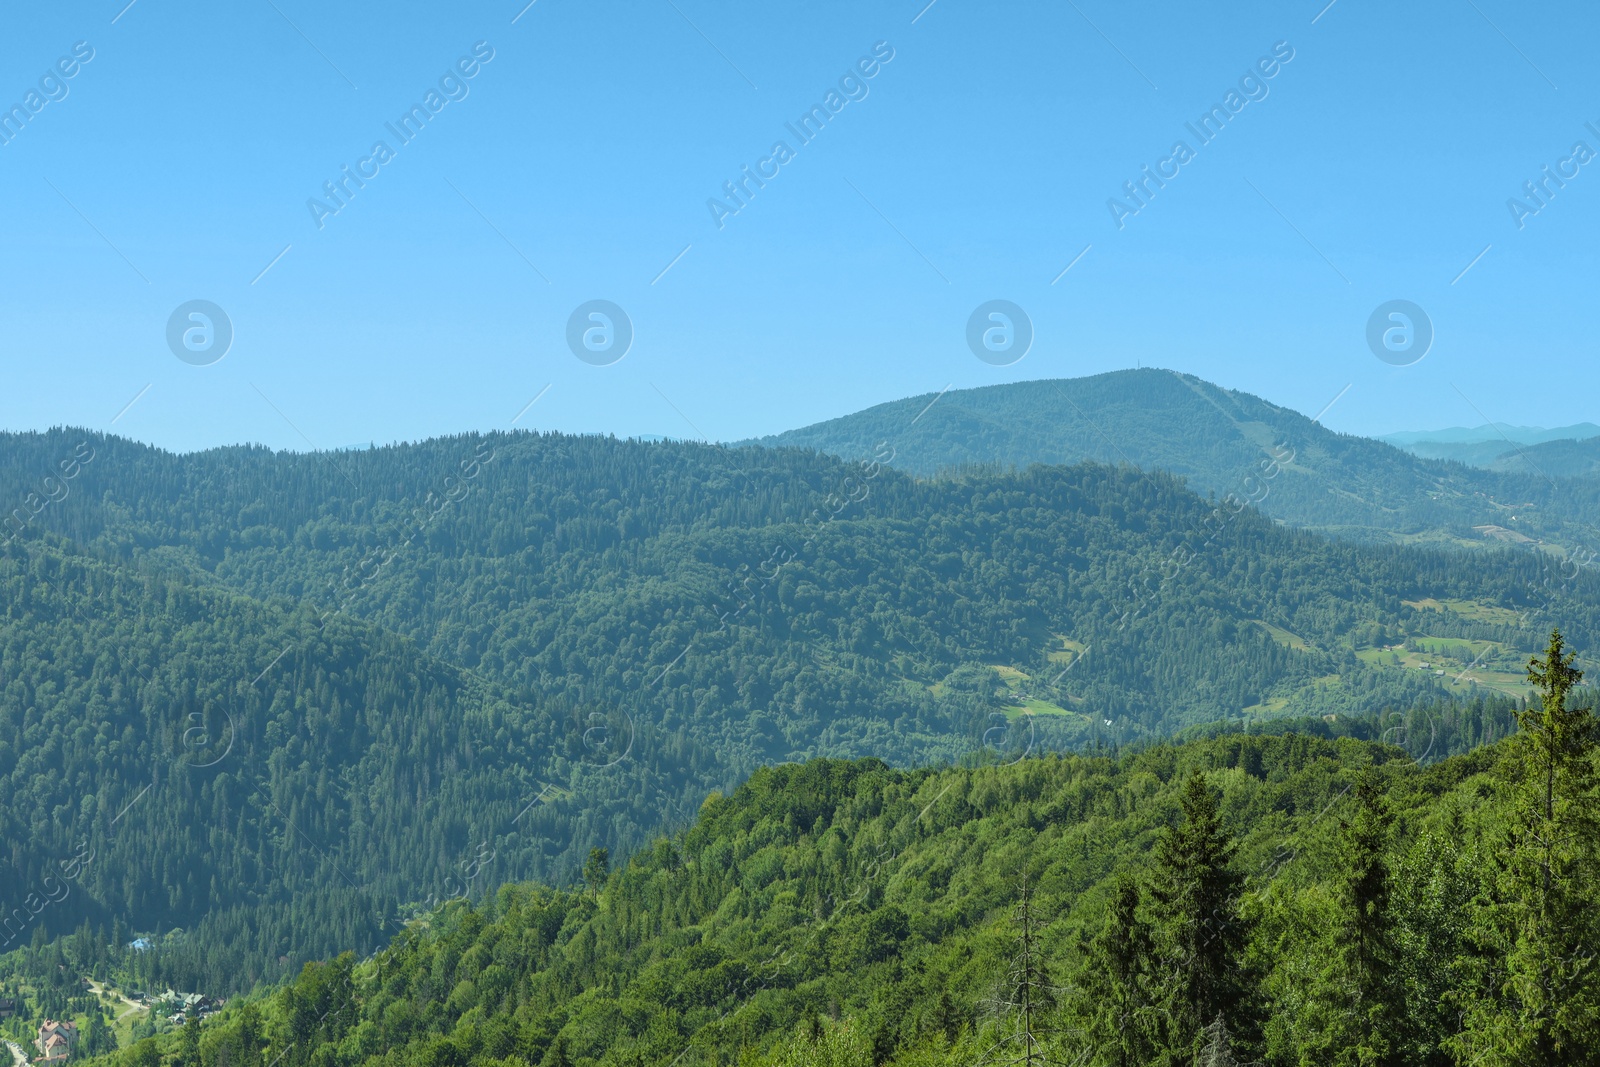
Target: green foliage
597, 868
1539, 998
262, 708
1119, 995
848, 913
1215, 438
1195, 901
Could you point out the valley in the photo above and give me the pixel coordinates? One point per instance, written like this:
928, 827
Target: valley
276, 707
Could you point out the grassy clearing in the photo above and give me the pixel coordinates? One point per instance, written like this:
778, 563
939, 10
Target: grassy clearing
1270, 706
1039, 707
1068, 651
1468, 609
1283, 637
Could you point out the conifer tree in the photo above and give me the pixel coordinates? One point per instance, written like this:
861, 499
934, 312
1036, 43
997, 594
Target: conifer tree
1541, 1004
1360, 998
189, 1054
596, 869
1117, 984
1196, 896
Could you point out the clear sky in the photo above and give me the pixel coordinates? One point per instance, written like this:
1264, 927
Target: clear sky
576, 162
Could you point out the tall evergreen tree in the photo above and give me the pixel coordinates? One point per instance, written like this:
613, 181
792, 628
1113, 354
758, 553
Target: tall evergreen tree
98, 1038
1360, 997
189, 1054
1542, 1004
1196, 895
596, 869
1117, 984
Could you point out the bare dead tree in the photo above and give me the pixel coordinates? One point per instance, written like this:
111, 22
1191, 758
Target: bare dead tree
1026, 999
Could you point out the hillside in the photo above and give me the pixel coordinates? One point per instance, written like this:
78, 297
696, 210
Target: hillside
1481, 446
1553, 458
1221, 441
1556, 459
154, 781
468, 661
1346, 900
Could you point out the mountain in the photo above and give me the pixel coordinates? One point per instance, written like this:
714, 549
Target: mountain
849, 914
1221, 442
1563, 452
1499, 432
1487, 455
284, 701
1565, 459
250, 782
1554, 459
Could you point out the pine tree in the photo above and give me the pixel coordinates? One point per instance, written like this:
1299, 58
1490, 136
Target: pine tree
1360, 998
596, 869
1196, 896
189, 1054
1117, 984
947, 1019
98, 1039
1368, 950
1543, 1004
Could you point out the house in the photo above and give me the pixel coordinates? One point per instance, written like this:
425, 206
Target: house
179, 1006
56, 1041
8, 1007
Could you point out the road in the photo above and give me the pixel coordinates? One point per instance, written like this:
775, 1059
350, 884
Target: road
97, 989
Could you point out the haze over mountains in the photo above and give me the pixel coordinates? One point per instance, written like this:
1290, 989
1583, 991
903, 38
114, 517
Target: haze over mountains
1501, 433
1221, 441
1564, 452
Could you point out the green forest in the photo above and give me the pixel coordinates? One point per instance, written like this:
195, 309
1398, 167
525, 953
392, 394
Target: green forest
1355, 487
1244, 898
258, 708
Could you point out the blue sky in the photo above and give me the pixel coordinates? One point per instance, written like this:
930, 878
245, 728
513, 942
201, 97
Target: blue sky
976, 164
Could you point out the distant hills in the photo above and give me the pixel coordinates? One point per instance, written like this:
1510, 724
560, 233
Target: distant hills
1564, 452
1227, 442
281, 698
1503, 434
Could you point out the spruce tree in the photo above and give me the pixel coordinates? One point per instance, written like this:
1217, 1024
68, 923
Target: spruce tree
1117, 984
1542, 1003
1196, 899
596, 869
1360, 998
189, 1049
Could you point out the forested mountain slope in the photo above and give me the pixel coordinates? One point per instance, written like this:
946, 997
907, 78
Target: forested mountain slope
1282, 899
153, 779
469, 660
1552, 459
1556, 459
1511, 446
1220, 440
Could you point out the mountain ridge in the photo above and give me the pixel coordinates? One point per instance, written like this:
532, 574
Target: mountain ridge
1220, 441
584, 636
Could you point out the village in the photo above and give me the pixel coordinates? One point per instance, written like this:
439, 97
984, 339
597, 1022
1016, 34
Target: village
57, 1041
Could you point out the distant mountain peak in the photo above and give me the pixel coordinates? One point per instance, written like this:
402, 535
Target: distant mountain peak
1222, 441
